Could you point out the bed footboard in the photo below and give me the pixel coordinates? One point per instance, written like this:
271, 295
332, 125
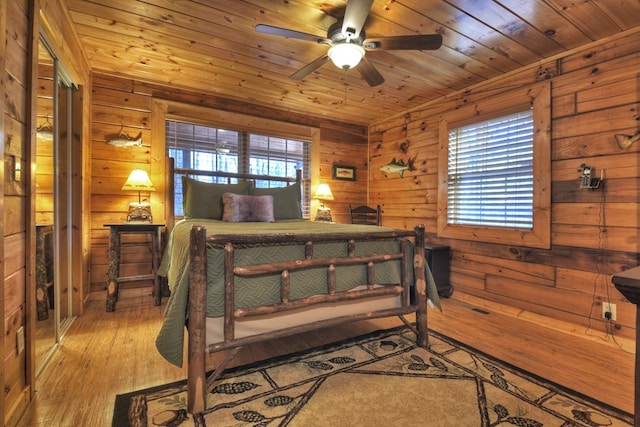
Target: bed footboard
197, 344
197, 357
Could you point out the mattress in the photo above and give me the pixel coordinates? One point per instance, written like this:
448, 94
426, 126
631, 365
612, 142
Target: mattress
254, 325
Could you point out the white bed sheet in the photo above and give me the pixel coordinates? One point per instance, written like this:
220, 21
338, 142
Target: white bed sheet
254, 325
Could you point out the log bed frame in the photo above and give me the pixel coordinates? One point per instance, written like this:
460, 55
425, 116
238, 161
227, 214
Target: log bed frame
198, 385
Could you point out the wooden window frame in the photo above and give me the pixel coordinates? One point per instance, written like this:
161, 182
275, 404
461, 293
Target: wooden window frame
538, 98
245, 151
161, 110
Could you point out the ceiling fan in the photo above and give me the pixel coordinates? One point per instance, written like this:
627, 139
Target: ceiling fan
348, 43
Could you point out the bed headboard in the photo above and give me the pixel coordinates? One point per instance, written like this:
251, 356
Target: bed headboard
171, 171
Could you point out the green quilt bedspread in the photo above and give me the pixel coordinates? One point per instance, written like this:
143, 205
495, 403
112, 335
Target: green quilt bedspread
248, 292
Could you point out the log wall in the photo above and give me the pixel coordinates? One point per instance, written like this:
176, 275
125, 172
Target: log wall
129, 105
20, 23
14, 119
595, 94
594, 234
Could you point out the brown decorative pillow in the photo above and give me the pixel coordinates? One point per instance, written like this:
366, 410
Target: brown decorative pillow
241, 208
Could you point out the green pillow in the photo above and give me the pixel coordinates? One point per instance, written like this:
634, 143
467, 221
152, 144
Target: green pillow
204, 199
286, 201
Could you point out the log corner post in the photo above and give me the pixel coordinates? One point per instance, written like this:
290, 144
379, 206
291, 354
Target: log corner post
419, 263
196, 371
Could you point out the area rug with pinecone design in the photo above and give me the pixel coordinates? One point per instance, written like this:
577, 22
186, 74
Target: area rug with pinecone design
380, 379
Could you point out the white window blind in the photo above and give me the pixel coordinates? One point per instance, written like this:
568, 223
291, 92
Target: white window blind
206, 148
490, 181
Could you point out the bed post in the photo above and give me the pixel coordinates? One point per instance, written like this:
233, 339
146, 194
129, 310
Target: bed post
420, 287
169, 196
196, 371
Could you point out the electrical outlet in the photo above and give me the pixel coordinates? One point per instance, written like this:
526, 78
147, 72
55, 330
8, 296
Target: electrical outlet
608, 307
20, 339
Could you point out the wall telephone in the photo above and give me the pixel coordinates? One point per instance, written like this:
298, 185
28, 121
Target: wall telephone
587, 180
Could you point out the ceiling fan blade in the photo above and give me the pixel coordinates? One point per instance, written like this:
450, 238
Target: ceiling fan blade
354, 16
277, 31
412, 42
369, 73
309, 68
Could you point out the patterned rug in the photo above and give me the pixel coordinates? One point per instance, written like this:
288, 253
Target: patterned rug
380, 379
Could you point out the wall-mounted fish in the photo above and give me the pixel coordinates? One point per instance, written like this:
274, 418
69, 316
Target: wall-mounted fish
123, 140
45, 133
625, 141
398, 166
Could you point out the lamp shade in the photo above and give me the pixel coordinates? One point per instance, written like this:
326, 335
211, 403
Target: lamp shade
138, 181
346, 55
323, 192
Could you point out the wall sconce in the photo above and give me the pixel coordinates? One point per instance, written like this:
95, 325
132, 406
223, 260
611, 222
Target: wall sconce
16, 168
139, 181
323, 192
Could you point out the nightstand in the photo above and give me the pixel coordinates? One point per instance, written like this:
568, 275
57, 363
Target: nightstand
116, 231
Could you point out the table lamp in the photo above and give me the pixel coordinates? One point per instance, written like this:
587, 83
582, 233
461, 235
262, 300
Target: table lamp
323, 192
139, 181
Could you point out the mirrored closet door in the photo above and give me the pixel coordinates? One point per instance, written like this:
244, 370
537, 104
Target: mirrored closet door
53, 198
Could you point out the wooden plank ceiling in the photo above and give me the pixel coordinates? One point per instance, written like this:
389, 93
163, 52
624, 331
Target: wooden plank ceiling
212, 47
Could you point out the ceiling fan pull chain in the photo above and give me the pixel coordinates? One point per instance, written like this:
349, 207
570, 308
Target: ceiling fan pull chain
345, 87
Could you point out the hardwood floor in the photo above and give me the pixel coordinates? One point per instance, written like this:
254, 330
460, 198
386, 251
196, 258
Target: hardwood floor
105, 354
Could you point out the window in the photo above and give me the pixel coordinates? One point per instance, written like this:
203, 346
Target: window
201, 148
495, 170
491, 172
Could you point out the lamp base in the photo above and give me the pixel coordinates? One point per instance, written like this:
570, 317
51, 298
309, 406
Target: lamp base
139, 212
324, 215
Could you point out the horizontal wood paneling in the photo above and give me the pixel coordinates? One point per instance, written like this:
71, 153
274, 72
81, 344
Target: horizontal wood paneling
213, 60
14, 117
123, 104
20, 22
595, 233
340, 149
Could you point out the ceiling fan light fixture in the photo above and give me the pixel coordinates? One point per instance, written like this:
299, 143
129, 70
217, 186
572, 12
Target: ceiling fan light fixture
346, 55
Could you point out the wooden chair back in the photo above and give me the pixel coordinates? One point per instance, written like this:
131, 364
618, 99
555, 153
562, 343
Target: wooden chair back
365, 215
